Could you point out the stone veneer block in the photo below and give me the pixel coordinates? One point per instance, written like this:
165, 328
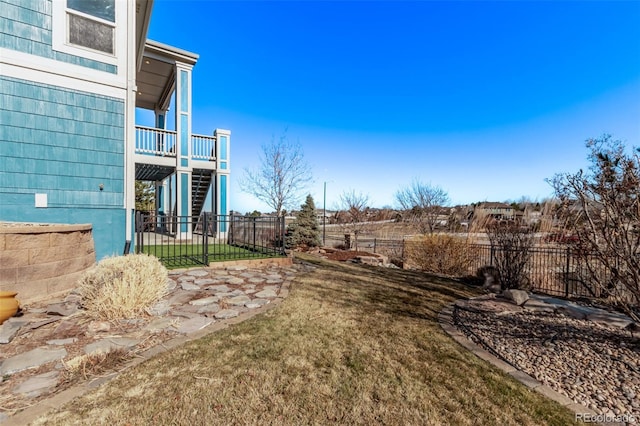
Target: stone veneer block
38, 260
26, 241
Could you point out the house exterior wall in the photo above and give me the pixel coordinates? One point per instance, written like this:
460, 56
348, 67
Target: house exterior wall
27, 26
63, 126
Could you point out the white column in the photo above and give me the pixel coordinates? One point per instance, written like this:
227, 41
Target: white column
183, 148
223, 171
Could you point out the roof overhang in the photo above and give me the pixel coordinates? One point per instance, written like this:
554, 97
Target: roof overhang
156, 74
143, 17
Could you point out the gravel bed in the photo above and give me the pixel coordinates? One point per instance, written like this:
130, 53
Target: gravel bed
594, 365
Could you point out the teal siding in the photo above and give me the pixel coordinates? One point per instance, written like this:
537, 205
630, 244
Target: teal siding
64, 143
26, 25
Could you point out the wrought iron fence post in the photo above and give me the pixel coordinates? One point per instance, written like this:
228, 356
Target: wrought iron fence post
138, 232
567, 272
282, 235
205, 240
254, 232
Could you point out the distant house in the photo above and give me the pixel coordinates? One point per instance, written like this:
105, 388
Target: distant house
72, 74
498, 211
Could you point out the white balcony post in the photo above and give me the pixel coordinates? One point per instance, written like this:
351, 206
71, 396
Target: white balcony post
223, 169
183, 146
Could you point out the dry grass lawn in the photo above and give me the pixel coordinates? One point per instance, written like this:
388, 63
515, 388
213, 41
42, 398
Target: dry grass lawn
350, 345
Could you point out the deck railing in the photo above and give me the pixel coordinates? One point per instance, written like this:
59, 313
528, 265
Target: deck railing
203, 147
160, 142
150, 141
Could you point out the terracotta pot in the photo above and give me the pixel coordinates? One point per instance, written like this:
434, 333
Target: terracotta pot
8, 305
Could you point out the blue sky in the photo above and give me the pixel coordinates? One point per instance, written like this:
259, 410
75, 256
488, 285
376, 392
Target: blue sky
485, 99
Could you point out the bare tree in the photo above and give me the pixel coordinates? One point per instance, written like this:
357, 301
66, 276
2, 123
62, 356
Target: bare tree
353, 213
282, 177
423, 202
602, 207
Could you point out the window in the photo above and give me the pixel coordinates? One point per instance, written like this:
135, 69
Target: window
91, 24
92, 29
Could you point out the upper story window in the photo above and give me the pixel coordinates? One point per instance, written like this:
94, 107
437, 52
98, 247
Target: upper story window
91, 24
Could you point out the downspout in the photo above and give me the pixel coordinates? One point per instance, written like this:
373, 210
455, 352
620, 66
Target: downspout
130, 129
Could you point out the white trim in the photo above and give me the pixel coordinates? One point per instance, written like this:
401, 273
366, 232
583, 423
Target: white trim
130, 59
59, 35
49, 71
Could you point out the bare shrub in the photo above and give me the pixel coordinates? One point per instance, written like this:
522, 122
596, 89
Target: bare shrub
440, 254
84, 366
602, 207
123, 287
511, 247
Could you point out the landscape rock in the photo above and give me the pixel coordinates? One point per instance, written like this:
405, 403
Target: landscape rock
9, 329
516, 296
31, 359
38, 385
171, 285
226, 313
159, 309
62, 309
198, 273
180, 297
554, 349
219, 288
266, 294
188, 286
256, 303
160, 324
576, 312
238, 300
110, 344
209, 310
204, 301
237, 268
192, 325
62, 342
610, 318
538, 305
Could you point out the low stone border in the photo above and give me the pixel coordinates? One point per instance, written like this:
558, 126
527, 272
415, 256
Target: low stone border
58, 400
445, 318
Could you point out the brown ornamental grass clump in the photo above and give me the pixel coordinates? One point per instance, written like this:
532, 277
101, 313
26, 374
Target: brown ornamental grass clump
123, 287
439, 254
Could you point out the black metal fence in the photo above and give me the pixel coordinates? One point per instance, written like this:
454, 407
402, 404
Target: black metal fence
182, 241
556, 271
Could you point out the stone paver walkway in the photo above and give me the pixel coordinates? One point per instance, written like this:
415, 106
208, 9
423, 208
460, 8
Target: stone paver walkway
36, 347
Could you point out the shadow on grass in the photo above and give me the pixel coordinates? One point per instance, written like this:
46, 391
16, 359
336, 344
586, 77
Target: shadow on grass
393, 291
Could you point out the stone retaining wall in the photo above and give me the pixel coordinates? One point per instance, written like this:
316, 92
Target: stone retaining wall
40, 260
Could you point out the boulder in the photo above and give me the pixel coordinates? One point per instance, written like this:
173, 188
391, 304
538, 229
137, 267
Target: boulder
519, 297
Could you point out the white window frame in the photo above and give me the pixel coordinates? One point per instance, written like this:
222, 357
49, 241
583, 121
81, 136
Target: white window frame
60, 34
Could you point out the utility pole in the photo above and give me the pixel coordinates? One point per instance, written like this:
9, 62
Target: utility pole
324, 216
